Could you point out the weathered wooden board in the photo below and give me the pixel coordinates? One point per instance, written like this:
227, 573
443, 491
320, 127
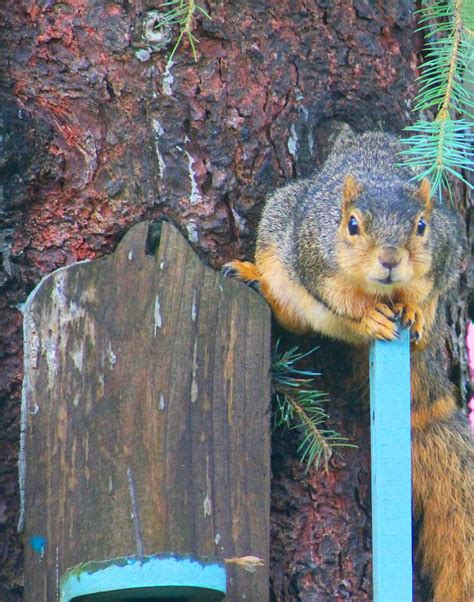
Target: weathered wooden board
146, 393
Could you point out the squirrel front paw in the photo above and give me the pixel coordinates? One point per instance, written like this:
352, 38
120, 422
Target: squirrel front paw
246, 271
379, 322
411, 317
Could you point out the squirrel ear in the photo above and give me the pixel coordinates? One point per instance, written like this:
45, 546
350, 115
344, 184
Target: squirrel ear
350, 190
424, 194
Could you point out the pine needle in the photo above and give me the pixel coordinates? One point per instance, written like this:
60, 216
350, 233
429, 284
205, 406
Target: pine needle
182, 13
444, 147
298, 406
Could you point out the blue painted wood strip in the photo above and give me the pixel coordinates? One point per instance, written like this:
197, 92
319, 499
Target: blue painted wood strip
391, 469
157, 576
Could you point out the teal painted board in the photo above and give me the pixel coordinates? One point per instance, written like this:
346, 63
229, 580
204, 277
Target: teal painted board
391, 469
156, 576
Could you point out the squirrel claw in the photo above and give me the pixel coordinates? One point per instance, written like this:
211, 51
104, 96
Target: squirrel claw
378, 323
229, 272
411, 317
255, 284
242, 270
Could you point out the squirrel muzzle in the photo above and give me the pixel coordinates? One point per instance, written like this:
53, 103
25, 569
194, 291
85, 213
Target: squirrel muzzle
389, 257
391, 260
390, 266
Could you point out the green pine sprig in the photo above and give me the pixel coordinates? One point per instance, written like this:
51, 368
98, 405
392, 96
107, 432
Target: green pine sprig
298, 406
182, 13
444, 147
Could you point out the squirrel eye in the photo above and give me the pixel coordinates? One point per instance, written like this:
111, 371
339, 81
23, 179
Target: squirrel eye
420, 230
353, 226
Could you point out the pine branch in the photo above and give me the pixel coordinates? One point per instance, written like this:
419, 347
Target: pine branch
298, 406
444, 147
182, 13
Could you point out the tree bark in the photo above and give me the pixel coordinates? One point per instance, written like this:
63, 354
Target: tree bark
98, 134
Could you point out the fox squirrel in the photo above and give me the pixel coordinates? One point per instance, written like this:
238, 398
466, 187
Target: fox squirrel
348, 252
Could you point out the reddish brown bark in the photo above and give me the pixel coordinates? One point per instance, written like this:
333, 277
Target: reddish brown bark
321, 521
97, 136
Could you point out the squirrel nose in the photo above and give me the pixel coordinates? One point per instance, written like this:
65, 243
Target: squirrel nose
389, 257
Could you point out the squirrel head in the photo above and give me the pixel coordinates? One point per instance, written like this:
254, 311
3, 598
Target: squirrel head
383, 238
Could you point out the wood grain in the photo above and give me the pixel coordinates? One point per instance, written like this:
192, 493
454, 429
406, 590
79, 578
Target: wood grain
147, 379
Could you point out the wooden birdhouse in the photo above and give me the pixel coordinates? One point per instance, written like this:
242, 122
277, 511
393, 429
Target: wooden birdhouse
145, 457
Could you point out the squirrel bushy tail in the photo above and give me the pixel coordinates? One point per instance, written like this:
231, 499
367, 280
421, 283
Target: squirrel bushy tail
443, 479
442, 490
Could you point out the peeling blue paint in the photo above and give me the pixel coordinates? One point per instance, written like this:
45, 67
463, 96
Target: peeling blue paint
38, 544
159, 576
